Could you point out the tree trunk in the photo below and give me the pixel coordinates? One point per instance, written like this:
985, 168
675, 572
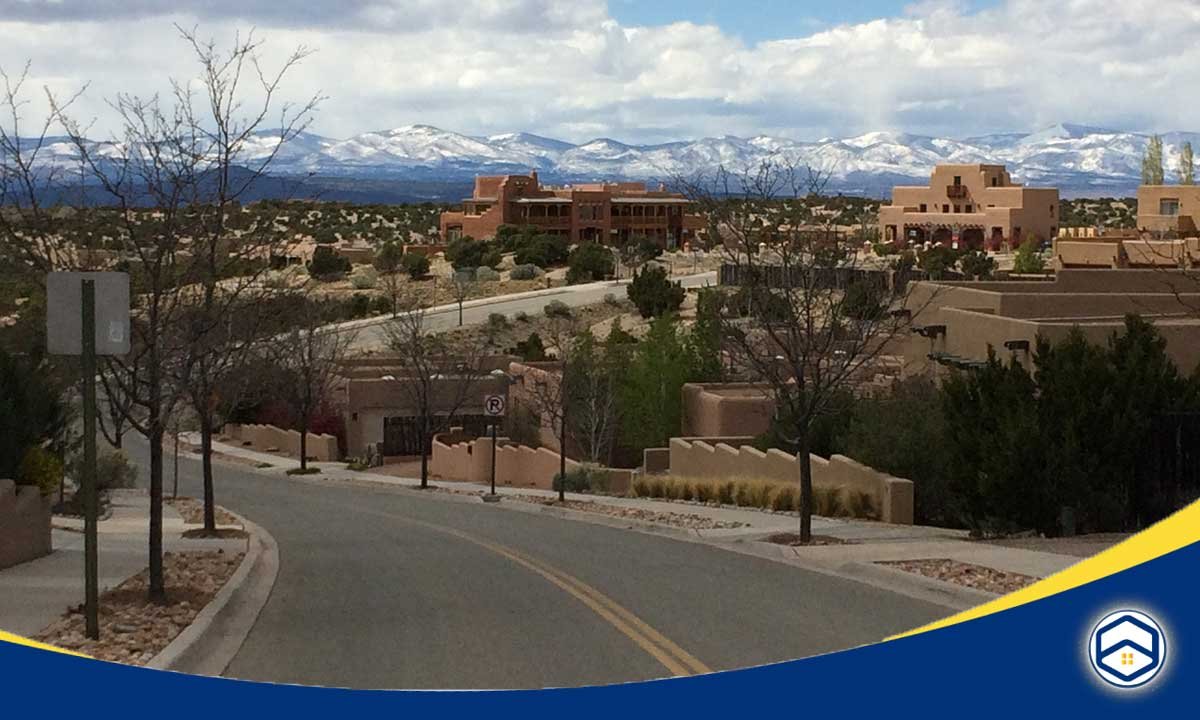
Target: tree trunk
806, 488
424, 451
304, 444
206, 433
157, 591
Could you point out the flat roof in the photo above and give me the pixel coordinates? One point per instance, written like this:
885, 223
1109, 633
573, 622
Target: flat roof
543, 200
651, 200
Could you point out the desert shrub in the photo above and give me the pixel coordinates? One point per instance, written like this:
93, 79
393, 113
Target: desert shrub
725, 492
359, 305
827, 502
589, 262
521, 316
658, 486
530, 349
381, 305
640, 486
527, 271
753, 493
611, 300
415, 264
860, 504
486, 274
497, 323
541, 250
364, 278
357, 465
785, 498
583, 479
113, 470
675, 489
653, 293
326, 264
557, 309
705, 492
40, 468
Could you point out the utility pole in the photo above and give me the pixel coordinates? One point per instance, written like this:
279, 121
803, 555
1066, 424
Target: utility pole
562, 437
90, 556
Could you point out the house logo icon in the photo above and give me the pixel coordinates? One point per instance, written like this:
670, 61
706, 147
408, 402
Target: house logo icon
1127, 649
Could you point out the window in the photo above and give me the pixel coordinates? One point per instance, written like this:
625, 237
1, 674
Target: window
1051, 210
957, 180
957, 208
945, 208
924, 208
1168, 206
968, 208
995, 181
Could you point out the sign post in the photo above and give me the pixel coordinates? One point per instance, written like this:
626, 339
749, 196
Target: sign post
87, 314
493, 407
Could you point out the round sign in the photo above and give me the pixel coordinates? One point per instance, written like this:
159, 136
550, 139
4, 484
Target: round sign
493, 405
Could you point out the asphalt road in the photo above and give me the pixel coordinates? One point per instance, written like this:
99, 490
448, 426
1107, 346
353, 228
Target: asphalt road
372, 335
380, 588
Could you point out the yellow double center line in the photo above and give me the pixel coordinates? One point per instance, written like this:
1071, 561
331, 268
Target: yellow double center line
674, 658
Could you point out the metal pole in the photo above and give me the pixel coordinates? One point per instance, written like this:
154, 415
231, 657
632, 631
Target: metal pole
493, 457
175, 485
88, 358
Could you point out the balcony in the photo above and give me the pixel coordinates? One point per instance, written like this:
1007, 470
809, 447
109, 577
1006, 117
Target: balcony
956, 191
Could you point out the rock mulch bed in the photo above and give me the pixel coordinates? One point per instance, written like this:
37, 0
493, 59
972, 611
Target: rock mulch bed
192, 511
132, 629
978, 577
793, 539
689, 521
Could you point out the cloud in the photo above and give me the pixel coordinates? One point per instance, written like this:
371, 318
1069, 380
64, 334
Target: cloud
568, 69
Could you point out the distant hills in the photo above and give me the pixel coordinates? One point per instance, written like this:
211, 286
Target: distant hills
421, 162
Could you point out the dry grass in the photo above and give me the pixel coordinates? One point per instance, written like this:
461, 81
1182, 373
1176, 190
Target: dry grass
755, 493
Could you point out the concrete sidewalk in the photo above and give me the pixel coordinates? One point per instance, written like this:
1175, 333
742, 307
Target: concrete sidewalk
36, 593
869, 542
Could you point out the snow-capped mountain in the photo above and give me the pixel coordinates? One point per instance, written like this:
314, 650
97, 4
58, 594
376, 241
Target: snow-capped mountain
1079, 160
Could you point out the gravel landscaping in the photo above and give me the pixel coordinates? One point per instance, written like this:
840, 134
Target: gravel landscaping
134, 630
966, 574
689, 521
192, 511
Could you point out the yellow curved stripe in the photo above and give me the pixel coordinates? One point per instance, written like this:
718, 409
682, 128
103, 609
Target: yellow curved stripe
1166, 536
18, 640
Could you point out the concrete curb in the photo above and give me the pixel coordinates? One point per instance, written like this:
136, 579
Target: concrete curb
209, 644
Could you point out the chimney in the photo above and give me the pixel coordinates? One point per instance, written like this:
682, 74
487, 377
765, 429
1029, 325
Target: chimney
533, 174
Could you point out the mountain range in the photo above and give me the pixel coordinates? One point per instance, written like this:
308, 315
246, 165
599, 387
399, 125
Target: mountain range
1079, 160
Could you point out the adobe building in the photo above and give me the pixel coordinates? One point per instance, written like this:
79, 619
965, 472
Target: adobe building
955, 323
1169, 210
380, 413
608, 213
970, 206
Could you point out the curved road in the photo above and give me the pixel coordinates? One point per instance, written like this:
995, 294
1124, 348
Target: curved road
380, 588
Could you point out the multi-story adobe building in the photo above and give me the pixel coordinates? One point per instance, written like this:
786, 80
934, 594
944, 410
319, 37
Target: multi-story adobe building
973, 206
1170, 210
608, 213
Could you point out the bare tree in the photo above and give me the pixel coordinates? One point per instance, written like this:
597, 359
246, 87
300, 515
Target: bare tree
229, 259
177, 171
310, 359
798, 329
461, 284
436, 372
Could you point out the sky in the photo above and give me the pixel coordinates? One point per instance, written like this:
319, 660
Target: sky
641, 70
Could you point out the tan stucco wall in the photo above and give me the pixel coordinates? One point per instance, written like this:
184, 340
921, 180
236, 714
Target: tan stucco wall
321, 447
516, 465
24, 523
892, 497
721, 409
1150, 199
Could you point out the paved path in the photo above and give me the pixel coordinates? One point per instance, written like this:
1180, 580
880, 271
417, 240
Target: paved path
36, 593
382, 587
370, 333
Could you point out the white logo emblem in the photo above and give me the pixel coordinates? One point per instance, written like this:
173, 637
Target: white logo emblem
1127, 648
